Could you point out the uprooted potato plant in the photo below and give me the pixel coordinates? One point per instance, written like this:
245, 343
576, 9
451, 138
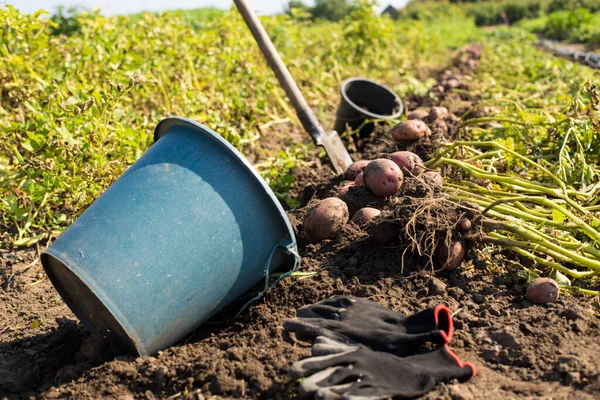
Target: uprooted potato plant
541, 207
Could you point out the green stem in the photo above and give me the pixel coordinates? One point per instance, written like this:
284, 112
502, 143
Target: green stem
521, 157
555, 251
591, 232
504, 210
554, 265
580, 290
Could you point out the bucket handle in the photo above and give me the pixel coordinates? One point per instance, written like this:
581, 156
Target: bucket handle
267, 273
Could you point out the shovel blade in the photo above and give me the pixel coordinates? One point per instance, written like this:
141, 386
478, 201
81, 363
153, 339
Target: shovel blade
336, 151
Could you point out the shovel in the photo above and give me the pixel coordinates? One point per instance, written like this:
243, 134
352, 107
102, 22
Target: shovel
331, 142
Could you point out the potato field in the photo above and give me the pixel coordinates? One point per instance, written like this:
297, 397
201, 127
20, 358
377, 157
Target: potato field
482, 198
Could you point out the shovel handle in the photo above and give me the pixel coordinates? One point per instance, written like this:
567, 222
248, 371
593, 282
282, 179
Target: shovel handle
303, 111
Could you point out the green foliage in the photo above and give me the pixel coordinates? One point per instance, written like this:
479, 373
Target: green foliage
277, 172
560, 24
331, 10
66, 21
562, 5
499, 12
577, 26
485, 13
431, 10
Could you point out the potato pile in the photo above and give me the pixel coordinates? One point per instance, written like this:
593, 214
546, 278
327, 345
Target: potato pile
382, 180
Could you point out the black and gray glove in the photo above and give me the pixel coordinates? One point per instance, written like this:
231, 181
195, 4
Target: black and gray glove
362, 321
353, 372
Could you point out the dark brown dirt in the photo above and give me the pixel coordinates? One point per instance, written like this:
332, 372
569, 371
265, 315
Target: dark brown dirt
521, 350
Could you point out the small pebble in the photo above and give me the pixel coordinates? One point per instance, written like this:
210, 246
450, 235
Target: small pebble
479, 298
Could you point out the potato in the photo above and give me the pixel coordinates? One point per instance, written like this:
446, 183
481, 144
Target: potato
413, 129
417, 114
360, 179
542, 291
439, 127
356, 168
437, 113
450, 257
465, 224
434, 179
452, 83
409, 163
383, 177
325, 219
365, 214
342, 189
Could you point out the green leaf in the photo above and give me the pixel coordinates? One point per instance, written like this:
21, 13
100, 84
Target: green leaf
36, 324
71, 101
558, 216
118, 114
29, 241
560, 278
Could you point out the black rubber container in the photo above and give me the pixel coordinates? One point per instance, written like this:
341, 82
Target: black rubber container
365, 99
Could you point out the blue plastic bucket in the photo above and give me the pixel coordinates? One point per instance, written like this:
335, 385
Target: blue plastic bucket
187, 229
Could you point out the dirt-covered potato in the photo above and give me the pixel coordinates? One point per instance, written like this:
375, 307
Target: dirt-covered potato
439, 127
409, 163
325, 219
412, 129
343, 187
365, 214
356, 168
383, 177
360, 179
542, 291
434, 179
417, 114
450, 257
465, 224
452, 83
437, 113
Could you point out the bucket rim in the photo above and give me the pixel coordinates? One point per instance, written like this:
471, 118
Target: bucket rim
366, 112
167, 123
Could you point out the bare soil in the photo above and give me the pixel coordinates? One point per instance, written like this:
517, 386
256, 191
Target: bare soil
521, 351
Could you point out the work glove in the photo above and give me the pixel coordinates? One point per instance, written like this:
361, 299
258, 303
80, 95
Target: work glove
338, 370
362, 321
